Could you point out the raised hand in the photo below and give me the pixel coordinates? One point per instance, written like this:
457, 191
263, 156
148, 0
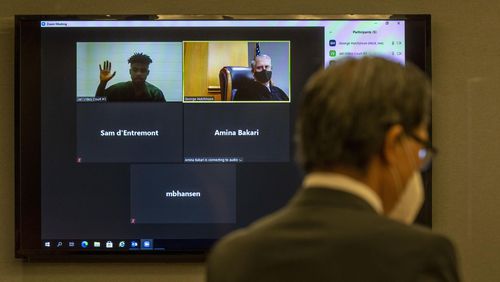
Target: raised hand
105, 72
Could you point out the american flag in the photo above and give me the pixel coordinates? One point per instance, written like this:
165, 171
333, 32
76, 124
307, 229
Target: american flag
257, 49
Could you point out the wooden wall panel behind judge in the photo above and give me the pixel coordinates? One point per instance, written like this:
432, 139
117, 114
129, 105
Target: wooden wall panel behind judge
229, 53
195, 68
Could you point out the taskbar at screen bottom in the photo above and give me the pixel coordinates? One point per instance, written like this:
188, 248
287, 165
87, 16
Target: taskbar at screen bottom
156, 245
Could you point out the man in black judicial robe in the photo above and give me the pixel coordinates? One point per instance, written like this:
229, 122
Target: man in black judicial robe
261, 88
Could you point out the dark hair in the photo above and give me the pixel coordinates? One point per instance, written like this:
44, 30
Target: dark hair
140, 58
347, 109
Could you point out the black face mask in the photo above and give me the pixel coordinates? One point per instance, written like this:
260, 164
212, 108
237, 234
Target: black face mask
263, 76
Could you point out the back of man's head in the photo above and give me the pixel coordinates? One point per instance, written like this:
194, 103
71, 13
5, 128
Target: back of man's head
348, 107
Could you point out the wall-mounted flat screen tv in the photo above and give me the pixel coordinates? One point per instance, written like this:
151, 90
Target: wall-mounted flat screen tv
145, 136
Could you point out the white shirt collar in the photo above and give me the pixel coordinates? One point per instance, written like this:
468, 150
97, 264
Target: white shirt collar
346, 184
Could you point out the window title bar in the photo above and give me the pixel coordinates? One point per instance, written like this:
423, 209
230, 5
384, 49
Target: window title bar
199, 23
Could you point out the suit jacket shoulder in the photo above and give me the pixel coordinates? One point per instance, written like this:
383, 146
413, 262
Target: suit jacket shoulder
327, 235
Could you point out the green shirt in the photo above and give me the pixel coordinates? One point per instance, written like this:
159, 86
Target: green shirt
124, 91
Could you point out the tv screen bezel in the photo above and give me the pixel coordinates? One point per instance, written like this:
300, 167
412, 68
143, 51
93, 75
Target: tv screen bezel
28, 133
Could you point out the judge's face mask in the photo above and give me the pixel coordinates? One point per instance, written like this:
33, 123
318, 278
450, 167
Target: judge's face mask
263, 76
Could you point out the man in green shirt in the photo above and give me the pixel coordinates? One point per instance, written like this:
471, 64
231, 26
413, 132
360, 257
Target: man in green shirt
135, 90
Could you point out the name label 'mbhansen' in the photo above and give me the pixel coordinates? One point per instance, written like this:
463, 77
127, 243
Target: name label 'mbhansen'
175, 194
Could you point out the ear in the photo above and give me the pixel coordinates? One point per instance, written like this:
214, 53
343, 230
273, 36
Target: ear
391, 143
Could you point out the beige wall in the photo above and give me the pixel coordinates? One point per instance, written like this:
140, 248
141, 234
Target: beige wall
466, 125
195, 64
208, 58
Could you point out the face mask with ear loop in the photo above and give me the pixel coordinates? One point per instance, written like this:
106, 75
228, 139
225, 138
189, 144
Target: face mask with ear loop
411, 199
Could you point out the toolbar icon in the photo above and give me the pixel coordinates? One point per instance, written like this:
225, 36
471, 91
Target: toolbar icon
146, 244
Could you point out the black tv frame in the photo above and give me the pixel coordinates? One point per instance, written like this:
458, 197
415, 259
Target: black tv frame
28, 134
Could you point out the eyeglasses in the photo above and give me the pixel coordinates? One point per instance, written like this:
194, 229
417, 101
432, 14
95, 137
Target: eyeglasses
426, 153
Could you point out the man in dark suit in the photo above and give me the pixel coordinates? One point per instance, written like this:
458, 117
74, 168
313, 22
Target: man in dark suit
362, 139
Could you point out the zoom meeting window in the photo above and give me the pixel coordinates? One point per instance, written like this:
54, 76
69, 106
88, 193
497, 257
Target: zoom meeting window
180, 129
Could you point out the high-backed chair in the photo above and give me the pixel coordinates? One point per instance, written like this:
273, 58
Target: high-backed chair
231, 79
